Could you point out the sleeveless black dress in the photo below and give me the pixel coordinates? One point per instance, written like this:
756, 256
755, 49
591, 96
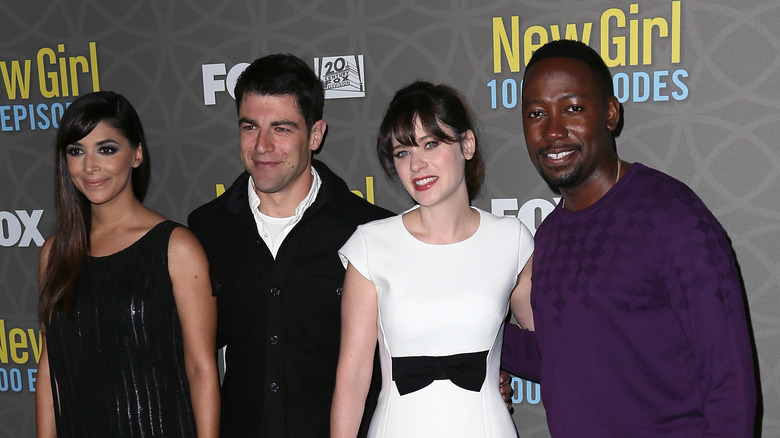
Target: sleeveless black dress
117, 365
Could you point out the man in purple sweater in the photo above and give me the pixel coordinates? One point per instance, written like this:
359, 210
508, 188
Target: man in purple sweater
640, 324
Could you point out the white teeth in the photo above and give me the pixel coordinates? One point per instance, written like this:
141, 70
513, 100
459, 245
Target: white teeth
559, 155
424, 181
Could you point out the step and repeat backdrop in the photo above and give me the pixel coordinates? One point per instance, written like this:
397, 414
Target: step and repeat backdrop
699, 82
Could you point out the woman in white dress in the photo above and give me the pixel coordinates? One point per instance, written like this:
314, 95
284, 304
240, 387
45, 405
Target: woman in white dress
433, 285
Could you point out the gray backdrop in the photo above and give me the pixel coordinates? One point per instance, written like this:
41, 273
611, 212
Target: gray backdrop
699, 81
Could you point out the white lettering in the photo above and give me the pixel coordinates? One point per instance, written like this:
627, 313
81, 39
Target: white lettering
232, 77
21, 228
30, 222
531, 214
212, 85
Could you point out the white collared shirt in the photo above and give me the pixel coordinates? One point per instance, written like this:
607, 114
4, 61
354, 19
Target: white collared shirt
273, 230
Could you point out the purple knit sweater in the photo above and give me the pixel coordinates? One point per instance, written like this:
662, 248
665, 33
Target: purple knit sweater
640, 322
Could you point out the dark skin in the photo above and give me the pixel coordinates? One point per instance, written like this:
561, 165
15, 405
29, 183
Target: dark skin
568, 125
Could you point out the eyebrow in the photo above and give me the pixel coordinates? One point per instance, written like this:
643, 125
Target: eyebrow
424, 138
564, 97
570, 96
283, 122
100, 143
246, 120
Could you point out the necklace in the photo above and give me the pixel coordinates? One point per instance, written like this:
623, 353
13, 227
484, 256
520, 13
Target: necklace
617, 177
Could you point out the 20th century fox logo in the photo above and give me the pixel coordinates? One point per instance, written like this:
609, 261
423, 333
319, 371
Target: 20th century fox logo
343, 76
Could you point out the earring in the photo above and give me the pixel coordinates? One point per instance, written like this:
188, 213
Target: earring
135, 164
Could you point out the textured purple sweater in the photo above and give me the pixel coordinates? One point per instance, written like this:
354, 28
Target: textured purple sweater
640, 323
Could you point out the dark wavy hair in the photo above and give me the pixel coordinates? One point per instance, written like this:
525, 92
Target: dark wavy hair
434, 106
70, 242
284, 74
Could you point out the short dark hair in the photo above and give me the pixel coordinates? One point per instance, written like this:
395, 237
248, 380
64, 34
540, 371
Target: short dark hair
433, 105
580, 51
284, 74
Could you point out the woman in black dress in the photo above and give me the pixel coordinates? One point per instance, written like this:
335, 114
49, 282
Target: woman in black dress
125, 301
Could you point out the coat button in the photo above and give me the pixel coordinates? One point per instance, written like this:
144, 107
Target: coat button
339, 290
275, 291
274, 387
274, 340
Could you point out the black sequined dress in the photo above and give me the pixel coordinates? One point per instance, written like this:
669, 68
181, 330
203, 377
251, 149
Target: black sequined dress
117, 366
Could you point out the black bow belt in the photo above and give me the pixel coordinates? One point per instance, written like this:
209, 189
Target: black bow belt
466, 370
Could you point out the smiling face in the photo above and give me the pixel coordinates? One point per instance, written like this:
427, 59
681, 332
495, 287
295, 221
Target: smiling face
276, 146
568, 124
432, 171
100, 164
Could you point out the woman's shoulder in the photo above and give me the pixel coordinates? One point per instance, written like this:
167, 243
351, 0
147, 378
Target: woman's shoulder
381, 224
505, 226
182, 237
490, 219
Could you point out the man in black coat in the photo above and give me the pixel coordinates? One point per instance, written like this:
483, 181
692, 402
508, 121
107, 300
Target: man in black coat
272, 240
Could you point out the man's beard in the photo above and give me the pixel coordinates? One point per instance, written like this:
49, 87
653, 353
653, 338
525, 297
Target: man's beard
561, 181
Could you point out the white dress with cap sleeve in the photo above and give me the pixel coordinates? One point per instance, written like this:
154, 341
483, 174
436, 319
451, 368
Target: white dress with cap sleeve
441, 310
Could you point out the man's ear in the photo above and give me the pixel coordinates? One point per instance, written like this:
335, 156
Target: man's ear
316, 134
613, 113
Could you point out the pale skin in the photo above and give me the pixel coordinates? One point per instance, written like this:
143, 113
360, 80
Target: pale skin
444, 216
276, 149
100, 167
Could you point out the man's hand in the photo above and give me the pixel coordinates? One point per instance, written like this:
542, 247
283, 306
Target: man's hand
505, 387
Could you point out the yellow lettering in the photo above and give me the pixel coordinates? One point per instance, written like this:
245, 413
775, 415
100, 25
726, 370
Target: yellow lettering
537, 36
633, 36
675, 32
63, 71
220, 189
15, 78
618, 41
501, 41
369, 190
571, 32
36, 343
555, 32
51, 87
663, 31
74, 80
94, 65
17, 340
528, 40
3, 345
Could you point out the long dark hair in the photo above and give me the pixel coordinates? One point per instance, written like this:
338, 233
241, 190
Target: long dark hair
70, 242
433, 105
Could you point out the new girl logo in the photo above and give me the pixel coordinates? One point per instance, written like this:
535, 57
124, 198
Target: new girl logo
55, 72
626, 39
19, 347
